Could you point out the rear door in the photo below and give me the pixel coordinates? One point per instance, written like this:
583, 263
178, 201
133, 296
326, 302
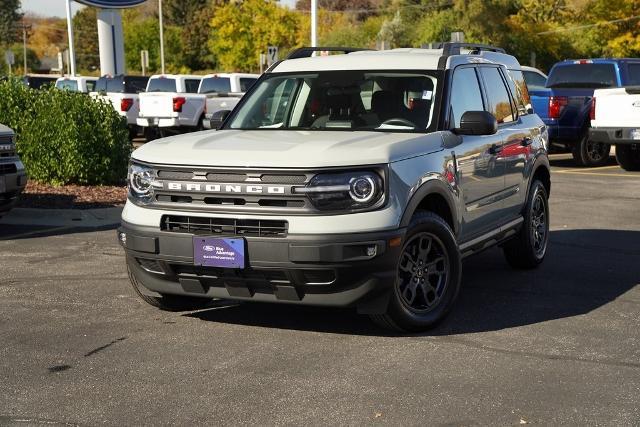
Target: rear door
481, 176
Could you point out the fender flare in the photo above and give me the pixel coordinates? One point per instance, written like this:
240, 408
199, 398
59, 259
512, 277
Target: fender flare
542, 161
433, 186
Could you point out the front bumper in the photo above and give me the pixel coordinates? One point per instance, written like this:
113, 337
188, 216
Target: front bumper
618, 135
329, 269
13, 179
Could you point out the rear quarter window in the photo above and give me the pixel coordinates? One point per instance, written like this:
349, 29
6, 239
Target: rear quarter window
520, 91
633, 72
191, 85
246, 83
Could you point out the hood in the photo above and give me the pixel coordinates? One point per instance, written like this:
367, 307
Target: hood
287, 148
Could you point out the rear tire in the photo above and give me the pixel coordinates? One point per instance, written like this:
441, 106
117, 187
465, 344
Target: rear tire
150, 134
427, 277
589, 153
627, 158
528, 248
168, 302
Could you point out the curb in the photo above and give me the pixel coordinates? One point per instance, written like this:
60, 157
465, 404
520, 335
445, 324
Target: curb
76, 218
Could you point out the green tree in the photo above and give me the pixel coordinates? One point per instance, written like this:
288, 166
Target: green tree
240, 32
86, 40
194, 37
33, 63
9, 17
181, 12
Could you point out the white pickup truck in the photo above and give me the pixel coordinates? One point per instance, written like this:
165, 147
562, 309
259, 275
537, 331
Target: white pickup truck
222, 92
122, 92
615, 119
171, 103
81, 84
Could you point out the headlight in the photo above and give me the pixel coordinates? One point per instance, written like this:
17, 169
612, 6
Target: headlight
141, 179
344, 191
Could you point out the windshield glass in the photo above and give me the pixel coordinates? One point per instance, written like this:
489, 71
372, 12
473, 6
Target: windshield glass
215, 85
71, 85
162, 84
340, 100
583, 76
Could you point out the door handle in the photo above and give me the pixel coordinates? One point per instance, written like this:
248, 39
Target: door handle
526, 141
495, 149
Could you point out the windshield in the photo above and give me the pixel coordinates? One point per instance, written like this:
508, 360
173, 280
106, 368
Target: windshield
71, 85
340, 100
215, 85
583, 76
162, 84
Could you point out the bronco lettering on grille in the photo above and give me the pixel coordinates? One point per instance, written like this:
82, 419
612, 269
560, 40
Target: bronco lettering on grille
226, 188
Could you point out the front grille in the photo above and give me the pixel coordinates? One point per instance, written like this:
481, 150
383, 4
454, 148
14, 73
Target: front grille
10, 153
6, 139
8, 168
225, 226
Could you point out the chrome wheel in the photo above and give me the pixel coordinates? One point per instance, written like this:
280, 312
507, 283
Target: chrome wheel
423, 272
539, 224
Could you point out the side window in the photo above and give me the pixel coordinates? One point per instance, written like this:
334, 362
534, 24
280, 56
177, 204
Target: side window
191, 85
465, 94
497, 95
90, 85
246, 83
519, 90
633, 71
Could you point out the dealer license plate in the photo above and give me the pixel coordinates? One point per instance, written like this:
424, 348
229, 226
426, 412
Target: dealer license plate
635, 134
219, 252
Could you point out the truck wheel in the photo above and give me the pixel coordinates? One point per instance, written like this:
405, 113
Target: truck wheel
427, 276
528, 248
628, 158
168, 302
589, 153
150, 134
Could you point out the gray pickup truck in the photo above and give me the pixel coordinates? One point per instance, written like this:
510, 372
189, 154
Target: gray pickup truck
13, 177
361, 179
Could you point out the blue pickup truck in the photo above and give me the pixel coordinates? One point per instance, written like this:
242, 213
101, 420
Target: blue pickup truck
565, 104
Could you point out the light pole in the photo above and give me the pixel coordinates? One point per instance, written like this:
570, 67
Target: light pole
161, 37
314, 23
72, 54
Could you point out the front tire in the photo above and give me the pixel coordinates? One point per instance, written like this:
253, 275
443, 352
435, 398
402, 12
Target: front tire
168, 302
528, 248
627, 158
427, 277
589, 153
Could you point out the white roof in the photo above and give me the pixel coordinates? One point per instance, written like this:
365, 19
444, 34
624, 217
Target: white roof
248, 75
175, 76
395, 59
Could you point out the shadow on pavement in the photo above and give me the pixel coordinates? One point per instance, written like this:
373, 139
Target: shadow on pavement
18, 232
568, 162
583, 270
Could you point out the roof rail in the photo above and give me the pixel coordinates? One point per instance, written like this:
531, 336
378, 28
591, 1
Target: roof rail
453, 48
305, 52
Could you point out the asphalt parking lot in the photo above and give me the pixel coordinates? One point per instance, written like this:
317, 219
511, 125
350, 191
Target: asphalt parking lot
560, 345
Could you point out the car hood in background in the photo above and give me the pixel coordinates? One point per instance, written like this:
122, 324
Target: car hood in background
287, 148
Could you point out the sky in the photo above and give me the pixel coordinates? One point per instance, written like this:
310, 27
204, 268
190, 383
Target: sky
58, 8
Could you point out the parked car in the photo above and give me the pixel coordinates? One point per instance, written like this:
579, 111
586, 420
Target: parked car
345, 180
223, 91
38, 81
81, 84
122, 91
615, 120
536, 86
570, 88
171, 104
13, 177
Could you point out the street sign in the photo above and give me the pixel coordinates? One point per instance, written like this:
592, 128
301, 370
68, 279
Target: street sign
272, 54
9, 57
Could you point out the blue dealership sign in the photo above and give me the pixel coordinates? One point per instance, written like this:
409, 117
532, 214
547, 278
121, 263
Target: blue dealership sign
111, 4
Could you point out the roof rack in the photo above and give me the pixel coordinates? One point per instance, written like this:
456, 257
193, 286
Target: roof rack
305, 52
453, 48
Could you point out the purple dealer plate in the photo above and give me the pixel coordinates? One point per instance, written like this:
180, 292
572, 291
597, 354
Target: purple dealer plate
218, 252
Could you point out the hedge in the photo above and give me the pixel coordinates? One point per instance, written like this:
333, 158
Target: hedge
65, 137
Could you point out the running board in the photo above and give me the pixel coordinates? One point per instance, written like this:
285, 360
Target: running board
491, 238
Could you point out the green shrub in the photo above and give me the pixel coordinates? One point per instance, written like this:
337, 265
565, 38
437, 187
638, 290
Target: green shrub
66, 137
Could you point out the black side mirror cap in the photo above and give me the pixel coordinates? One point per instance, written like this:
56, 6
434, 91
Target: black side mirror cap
218, 118
477, 123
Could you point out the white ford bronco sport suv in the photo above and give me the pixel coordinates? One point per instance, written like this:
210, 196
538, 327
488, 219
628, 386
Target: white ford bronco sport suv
360, 179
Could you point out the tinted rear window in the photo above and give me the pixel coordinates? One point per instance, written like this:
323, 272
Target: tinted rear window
162, 84
215, 84
115, 84
135, 84
191, 85
633, 71
246, 83
583, 76
38, 82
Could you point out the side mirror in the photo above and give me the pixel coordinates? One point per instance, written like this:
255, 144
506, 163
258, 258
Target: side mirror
477, 123
218, 118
